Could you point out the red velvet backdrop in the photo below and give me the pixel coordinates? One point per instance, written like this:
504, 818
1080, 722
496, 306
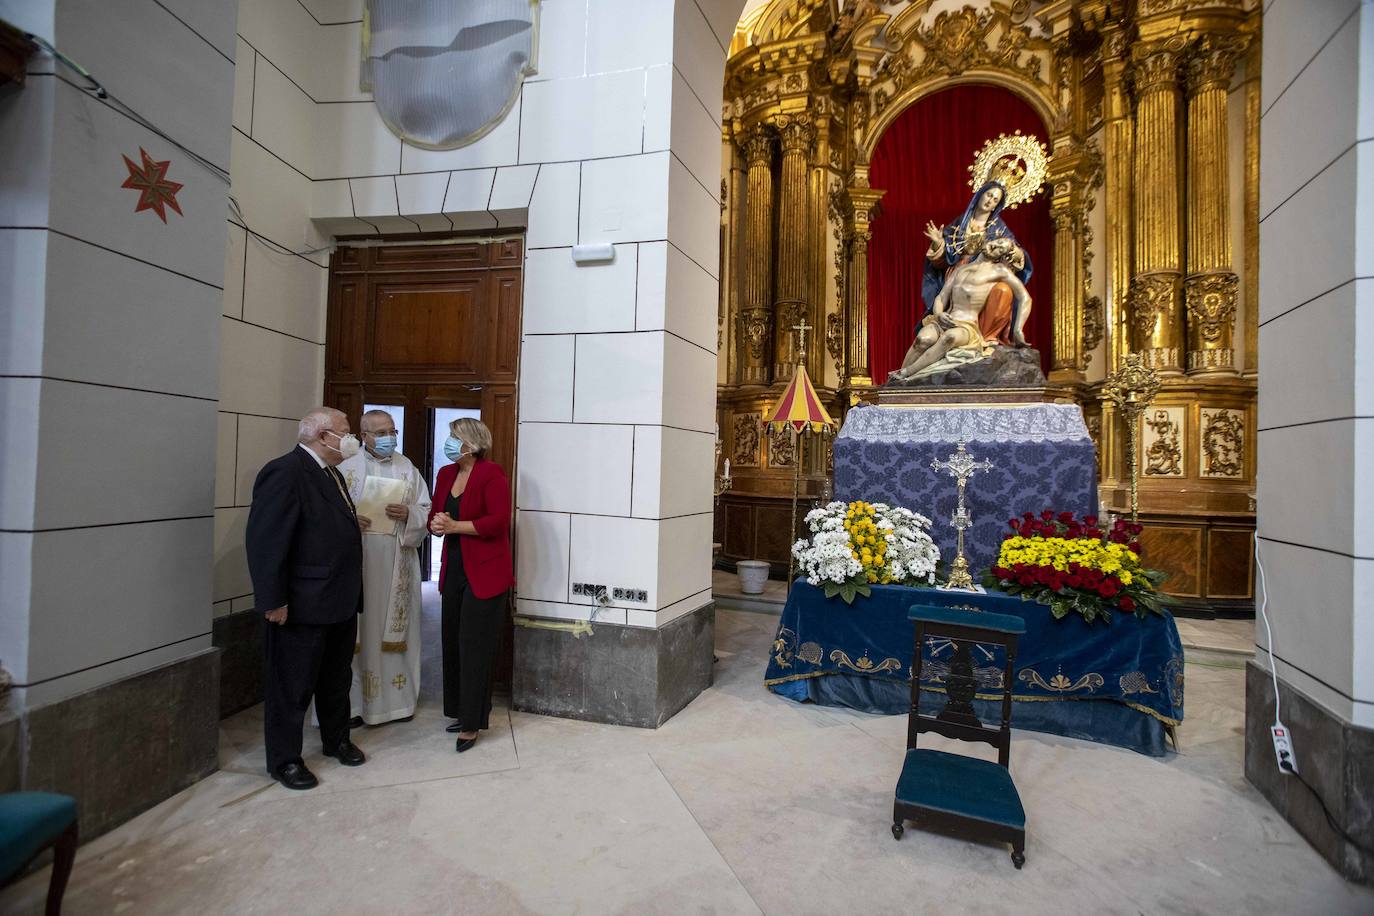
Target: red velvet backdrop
922, 162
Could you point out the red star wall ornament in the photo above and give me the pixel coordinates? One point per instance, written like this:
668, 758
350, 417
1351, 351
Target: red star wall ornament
155, 192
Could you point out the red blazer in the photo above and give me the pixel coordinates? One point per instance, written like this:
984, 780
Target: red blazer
486, 503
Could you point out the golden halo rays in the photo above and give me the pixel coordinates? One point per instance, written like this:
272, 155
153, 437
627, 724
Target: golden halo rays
1018, 161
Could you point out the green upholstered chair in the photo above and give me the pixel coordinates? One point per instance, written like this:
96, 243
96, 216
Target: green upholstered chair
942, 790
30, 822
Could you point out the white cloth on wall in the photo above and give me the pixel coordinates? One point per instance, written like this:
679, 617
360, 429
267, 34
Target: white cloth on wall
386, 666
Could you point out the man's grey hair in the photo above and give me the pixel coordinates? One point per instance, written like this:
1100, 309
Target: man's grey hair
316, 422
374, 415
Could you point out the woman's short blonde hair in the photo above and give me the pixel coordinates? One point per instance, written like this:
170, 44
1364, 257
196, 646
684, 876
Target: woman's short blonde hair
474, 434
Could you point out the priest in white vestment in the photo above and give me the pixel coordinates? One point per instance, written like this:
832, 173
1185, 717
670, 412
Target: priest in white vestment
386, 665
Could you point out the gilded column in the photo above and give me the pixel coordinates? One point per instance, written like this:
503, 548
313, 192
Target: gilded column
1118, 143
1118, 151
1156, 310
756, 307
1068, 291
735, 259
1211, 287
863, 201
790, 305
819, 228
1252, 171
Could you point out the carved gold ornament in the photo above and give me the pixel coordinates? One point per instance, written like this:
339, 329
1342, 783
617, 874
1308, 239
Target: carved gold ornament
782, 448
1223, 443
1211, 303
1017, 161
746, 447
755, 327
1164, 457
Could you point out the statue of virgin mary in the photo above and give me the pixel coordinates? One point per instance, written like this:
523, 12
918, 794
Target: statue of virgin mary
960, 241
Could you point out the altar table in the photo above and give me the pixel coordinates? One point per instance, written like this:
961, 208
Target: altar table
1118, 683
1042, 458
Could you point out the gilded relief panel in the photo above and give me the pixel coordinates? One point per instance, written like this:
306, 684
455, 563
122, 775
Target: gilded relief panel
1161, 438
745, 447
1223, 443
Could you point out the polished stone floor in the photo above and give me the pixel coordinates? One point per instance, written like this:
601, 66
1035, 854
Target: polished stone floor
743, 803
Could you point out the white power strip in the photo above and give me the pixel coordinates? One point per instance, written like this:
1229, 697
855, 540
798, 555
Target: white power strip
1283, 749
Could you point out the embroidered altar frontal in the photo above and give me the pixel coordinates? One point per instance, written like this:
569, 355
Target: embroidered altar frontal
1041, 454
1118, 683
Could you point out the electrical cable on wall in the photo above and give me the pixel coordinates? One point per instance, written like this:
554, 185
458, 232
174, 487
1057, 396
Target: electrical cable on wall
1286, 759
98, 89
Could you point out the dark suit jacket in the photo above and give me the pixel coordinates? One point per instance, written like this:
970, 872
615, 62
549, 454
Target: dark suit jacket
305, 549
486, 503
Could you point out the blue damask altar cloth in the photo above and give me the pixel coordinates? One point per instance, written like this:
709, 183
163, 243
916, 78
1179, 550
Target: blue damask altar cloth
1118, 683
1041, 454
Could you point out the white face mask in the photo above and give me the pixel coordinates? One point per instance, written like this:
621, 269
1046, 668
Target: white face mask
348, 445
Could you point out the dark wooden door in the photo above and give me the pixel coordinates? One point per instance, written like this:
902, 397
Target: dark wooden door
425, 327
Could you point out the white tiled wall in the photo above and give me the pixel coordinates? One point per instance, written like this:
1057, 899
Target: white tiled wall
615, 139
1317, 352
110, 443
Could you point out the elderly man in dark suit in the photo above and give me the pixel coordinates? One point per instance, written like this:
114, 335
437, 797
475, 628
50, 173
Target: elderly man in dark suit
305, 555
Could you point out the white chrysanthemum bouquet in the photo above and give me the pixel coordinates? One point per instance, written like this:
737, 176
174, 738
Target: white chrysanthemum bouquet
855, 545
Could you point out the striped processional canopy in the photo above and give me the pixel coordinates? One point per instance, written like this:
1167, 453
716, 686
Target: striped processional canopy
800, 407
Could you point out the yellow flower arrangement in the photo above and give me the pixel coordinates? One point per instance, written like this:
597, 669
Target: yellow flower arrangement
1073, 565
860, 544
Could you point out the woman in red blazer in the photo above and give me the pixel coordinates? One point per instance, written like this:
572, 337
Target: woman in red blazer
471, 510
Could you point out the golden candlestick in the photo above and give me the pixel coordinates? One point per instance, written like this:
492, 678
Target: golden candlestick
1131, 388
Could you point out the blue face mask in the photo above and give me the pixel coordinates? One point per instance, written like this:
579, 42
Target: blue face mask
384, 446
453, 448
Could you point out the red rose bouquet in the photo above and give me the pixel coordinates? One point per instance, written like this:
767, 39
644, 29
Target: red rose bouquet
1073, 565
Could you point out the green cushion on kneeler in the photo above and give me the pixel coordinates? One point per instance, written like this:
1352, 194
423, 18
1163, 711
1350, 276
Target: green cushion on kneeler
30, 821
966, 786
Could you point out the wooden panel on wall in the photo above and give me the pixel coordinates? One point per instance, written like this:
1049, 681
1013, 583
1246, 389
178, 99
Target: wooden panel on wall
349, 399
1177, 548
344, 328
739, 530
498, 413
504, 301
1230, 563
771, 541
420, 326
432, 257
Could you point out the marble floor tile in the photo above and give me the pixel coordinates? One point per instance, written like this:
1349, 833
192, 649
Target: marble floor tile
742, 803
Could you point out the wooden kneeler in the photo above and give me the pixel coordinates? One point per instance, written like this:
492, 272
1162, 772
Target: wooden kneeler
941, 790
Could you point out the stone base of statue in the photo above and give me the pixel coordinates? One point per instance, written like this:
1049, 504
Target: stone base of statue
1005, 367
1042, 458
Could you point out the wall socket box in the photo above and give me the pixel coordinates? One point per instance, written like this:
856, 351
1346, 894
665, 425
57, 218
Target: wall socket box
587, 589
630, 594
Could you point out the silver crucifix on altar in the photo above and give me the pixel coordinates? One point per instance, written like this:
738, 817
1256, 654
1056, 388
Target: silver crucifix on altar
961, 467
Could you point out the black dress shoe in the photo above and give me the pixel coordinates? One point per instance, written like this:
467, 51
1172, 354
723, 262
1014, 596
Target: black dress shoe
454, 727
465, 744
347, 753
295, 776
355, 722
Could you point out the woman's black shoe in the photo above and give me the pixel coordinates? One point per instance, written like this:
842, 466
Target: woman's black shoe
465, 744
454, 727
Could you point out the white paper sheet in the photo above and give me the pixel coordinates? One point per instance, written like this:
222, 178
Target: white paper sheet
378, 492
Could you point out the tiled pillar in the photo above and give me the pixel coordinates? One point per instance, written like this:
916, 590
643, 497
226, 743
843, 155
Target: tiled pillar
1315, 435
108, 399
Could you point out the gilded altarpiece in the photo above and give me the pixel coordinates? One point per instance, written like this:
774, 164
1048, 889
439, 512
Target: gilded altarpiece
1136, 101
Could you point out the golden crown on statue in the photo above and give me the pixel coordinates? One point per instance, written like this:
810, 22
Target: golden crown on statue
1017, 161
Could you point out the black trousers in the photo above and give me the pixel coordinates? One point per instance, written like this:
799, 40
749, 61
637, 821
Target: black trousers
304, 661
470, 633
